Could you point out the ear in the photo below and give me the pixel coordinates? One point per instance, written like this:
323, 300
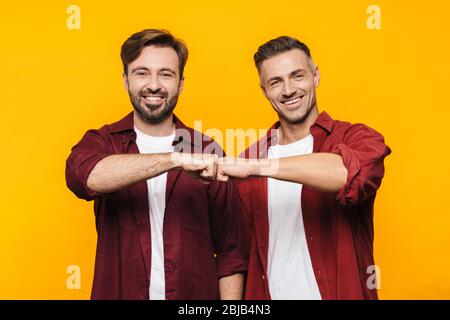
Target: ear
125, 81
181, 85
263, 89
262, 86
261, 81
316, 76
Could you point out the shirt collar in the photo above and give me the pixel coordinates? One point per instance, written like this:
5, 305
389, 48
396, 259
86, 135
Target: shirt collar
323, 121
183, 133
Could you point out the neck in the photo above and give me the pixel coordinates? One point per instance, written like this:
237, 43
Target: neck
291, 132
161, 129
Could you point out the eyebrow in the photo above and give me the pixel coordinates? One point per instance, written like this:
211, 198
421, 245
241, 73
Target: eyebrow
297, 71
139, 68
147, 69
169, 70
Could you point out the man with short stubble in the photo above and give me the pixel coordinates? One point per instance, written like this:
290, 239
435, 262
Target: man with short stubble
166, 229
308, 189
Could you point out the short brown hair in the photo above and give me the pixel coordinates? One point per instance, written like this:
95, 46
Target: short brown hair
132, 47
277, 46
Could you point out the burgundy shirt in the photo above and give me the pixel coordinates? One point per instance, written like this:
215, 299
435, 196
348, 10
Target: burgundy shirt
338, 227
202, 223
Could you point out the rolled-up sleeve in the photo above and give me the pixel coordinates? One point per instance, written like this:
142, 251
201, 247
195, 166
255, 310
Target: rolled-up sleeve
363, 151
84, 156
227, 228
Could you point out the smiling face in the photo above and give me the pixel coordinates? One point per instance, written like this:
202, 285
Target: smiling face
153, 83
289, 81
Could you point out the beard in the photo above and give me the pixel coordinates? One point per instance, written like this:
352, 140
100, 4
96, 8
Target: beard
293, 119
153, 113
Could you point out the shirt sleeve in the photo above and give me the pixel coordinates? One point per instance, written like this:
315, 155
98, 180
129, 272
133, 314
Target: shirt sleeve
84, 156
363, 151
227, 228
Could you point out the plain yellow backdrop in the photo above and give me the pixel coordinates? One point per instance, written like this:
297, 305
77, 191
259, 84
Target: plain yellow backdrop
56, 83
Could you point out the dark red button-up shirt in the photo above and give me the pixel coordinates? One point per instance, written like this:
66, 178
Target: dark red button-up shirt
338, 227
202, 223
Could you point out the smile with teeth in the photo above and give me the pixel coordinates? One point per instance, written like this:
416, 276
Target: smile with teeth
153, 98
292, 101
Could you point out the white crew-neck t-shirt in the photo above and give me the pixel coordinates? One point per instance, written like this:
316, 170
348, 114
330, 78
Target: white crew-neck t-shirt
157, 204
290, 271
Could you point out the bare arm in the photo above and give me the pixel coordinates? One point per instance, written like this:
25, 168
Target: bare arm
118, 171
323, 171
231, 287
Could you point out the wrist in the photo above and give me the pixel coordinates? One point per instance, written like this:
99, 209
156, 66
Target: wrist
253, 168
175, 160
265, 168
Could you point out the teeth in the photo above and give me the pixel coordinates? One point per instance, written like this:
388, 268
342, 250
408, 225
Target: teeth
292, 101
153, 98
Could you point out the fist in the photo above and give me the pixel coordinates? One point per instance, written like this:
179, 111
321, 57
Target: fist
234, 167
202, 166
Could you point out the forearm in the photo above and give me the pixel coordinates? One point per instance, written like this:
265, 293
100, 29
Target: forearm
323, 171
231, 287
118, 171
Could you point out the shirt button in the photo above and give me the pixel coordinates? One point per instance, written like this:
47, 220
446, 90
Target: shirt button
263, 277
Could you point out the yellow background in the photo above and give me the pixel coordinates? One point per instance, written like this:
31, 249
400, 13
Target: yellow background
56, 83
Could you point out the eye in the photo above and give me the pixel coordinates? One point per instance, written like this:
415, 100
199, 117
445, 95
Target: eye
274, 83
166, 75
140, 73
298, 77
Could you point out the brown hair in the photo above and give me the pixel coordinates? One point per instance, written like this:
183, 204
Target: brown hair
132, 47
276, 46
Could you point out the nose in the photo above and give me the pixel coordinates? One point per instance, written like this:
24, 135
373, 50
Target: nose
288, 89
153, 84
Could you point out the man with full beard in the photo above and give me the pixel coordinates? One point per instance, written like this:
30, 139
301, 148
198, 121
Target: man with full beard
309, 191
166, 229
